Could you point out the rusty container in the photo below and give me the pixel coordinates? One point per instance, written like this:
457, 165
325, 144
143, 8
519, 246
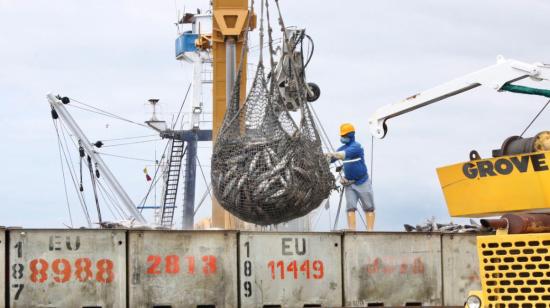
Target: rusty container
392, 269
183, 269
67, 268
290, 269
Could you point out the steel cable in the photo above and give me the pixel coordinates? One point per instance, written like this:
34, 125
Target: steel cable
535, 118
63, 173
72, 172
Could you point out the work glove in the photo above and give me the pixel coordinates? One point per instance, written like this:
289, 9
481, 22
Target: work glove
335, 155
345, 181
329, 157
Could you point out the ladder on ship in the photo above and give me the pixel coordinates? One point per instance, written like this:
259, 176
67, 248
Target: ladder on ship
174, 167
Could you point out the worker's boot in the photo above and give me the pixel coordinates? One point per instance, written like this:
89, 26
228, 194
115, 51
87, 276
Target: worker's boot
370, 220
351, 220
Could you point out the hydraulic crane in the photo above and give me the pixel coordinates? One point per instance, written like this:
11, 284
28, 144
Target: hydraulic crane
229, 29
515, 182
223, 43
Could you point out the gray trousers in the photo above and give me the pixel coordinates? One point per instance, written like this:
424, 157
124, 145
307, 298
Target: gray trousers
362, 192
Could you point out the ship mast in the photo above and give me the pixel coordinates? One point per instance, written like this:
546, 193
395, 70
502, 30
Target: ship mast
58, 105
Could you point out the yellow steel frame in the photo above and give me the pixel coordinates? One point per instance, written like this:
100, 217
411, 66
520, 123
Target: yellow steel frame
496, 186
230, 20
515, 270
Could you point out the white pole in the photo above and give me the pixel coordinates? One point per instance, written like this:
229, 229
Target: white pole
87, 145
230, 68
197, 92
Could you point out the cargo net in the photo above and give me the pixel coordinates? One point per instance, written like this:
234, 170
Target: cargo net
266, 168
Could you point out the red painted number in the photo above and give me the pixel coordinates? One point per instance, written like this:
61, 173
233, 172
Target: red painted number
278, 269
389, 265
190, 265
153, 269
38, 273
281, 266
305, 268
209, 265
271, 265
319, 268
105, 271
62, 270
292, 267
172, 264
418, 266
83, 269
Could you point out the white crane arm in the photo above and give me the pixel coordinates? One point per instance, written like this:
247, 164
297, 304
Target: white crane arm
495, 76
64, 115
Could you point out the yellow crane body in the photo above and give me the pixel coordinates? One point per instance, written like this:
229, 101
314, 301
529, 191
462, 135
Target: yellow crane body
514, 270
490, 187
230, 18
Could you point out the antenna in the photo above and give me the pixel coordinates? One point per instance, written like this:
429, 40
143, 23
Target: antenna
154, 122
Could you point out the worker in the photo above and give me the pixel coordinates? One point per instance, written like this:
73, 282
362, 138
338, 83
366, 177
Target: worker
356, 181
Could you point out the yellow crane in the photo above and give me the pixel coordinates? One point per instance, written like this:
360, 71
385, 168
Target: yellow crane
231, 20
515, 183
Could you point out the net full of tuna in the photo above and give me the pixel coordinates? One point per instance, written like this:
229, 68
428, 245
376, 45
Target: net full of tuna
268, 168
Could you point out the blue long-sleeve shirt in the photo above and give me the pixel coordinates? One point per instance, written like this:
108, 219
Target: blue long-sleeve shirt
356, 170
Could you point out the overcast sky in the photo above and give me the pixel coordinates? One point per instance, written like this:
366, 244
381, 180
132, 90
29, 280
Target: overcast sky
117, 54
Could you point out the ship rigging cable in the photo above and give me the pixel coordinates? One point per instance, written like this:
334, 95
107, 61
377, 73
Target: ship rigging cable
94, 187
104, 112
106, 192
63, 174
68, 161
74, 173
107, 196
155, 180
535, 118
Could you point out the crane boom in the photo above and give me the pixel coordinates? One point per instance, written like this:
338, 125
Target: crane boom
58, 106
495, 76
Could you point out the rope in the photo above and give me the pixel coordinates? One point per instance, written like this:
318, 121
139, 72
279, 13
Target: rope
243, 49
106, 113
181, 106
203, 176
371, 159
270, 43
116, 204
81, 151
535, 118
361, 216
206, 193
128, 138
251, 50
63, 173
72, 172
102, 194
287, 43
261, 60
323, 131
155, 179
127, 157
94, 187
129, 143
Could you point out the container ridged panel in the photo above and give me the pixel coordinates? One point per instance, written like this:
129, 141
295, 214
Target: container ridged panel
515, 270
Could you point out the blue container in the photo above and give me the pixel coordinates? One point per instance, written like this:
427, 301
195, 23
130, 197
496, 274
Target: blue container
186, 43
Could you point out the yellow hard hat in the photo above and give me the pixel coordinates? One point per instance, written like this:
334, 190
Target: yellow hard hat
346, 128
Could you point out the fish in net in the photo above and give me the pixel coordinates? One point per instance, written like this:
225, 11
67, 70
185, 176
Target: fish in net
268, 168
